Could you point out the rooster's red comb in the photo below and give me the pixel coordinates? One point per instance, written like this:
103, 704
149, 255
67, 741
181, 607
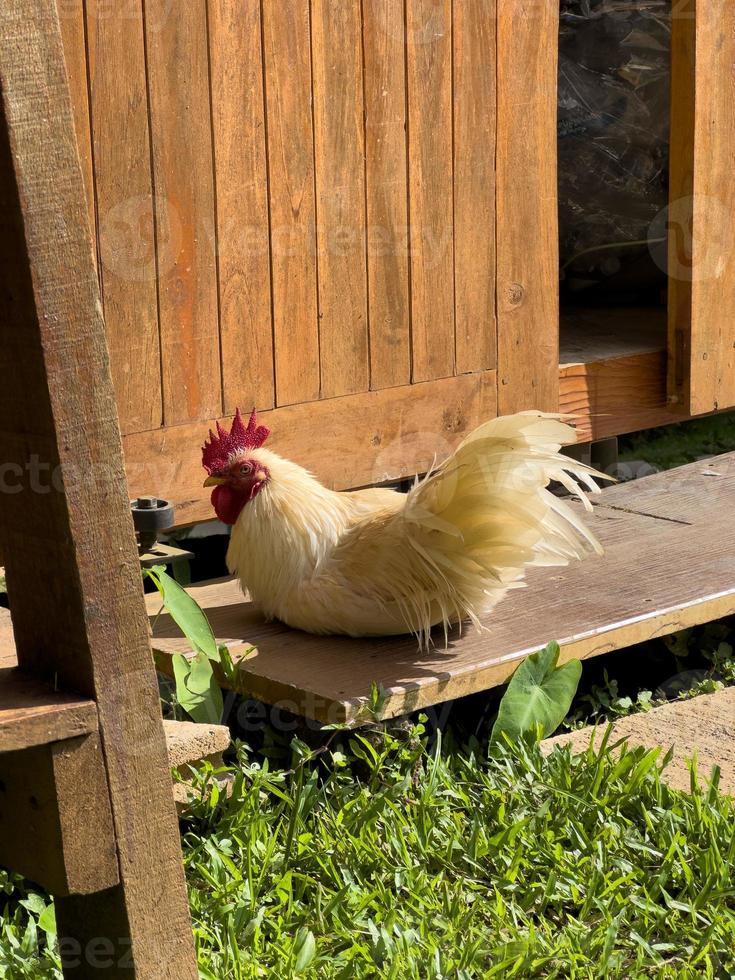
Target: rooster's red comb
221, 446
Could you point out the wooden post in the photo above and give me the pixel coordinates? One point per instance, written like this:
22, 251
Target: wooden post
55, 821
72, 569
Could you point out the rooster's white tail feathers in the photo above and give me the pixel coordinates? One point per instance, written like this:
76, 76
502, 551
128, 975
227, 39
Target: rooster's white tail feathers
479, 519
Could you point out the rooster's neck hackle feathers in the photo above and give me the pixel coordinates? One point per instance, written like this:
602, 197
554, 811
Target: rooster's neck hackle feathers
286, 532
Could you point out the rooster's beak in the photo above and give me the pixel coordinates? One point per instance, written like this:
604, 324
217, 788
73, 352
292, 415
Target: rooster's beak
214, 481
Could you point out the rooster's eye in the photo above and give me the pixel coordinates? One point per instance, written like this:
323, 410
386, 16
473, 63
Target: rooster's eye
245, 469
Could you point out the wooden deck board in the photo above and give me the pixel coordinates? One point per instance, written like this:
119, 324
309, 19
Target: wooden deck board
669, 564
591, 335
32, 714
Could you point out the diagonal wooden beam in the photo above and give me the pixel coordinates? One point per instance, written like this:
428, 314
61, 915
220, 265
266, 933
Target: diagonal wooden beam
72, 571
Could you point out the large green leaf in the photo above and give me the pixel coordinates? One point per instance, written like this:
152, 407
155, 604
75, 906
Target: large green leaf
47, 920
197, 690
538, 696
185, 612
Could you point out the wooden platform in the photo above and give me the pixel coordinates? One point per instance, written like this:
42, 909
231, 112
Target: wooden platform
33, 714
669, 564
702, 727
612, 372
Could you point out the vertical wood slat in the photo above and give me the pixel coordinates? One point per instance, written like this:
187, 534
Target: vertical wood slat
702, 203
286, 36
127, 241
681, 196
713, 253
474, 183
429, 54
178, 70
386, 192
339, 154
70, 555
526, 202
71, 18
238, 116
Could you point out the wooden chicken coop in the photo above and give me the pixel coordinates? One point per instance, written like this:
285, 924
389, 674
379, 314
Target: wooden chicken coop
346, 212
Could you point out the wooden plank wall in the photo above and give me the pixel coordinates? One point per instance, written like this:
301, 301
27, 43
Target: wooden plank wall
284, 218
702, 193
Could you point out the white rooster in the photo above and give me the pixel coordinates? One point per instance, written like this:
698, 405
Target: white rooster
377, 562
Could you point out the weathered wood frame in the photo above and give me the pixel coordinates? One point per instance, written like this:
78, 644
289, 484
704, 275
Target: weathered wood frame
71, 562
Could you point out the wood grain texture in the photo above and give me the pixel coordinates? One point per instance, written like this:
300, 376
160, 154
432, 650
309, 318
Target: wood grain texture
71, 562
287, 46
474, 184
32, 713
701, 234
238, 115
527, 224
607, 393
386, 192
73, 34
429, 54
55, 818
616, 395
339, 152
124, 186
668, 564
358, 439
178, 87
612, 376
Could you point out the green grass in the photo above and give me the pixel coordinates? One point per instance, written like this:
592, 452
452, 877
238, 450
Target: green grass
383, 855
386, 858
684, 442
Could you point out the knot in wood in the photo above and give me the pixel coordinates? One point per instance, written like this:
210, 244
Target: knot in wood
515, 293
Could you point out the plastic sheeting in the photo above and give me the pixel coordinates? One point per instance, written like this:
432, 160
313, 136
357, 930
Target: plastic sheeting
613, 124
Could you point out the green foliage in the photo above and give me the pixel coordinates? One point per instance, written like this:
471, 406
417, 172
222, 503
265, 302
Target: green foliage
684, 442
27, 932
185, 611
603, 702
702, 662
391, 858
405, 861
197, 690
538, 695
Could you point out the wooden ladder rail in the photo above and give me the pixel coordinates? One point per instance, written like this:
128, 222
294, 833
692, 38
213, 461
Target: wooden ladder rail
100, 781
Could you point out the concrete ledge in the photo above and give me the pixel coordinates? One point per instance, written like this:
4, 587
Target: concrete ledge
704, 726
189, 742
